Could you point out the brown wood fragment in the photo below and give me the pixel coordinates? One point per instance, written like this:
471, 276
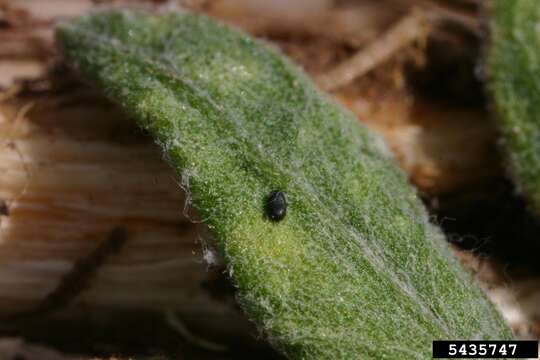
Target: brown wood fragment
411, 28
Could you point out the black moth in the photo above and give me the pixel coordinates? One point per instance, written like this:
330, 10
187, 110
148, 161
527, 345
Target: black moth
276, 205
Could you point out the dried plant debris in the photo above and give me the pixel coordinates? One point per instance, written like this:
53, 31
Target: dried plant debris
354, 268
17, 349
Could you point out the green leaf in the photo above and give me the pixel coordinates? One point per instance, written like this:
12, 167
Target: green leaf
513, 67
354, 270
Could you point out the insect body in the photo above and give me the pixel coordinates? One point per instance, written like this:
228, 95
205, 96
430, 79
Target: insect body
276, 205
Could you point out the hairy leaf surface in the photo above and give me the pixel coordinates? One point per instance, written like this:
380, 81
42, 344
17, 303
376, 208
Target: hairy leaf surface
513, 66
354, 270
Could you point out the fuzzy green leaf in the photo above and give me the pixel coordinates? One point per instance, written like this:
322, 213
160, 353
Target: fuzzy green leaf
513, 67
354, 270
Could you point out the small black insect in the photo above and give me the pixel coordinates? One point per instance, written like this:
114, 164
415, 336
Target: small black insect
276, 205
